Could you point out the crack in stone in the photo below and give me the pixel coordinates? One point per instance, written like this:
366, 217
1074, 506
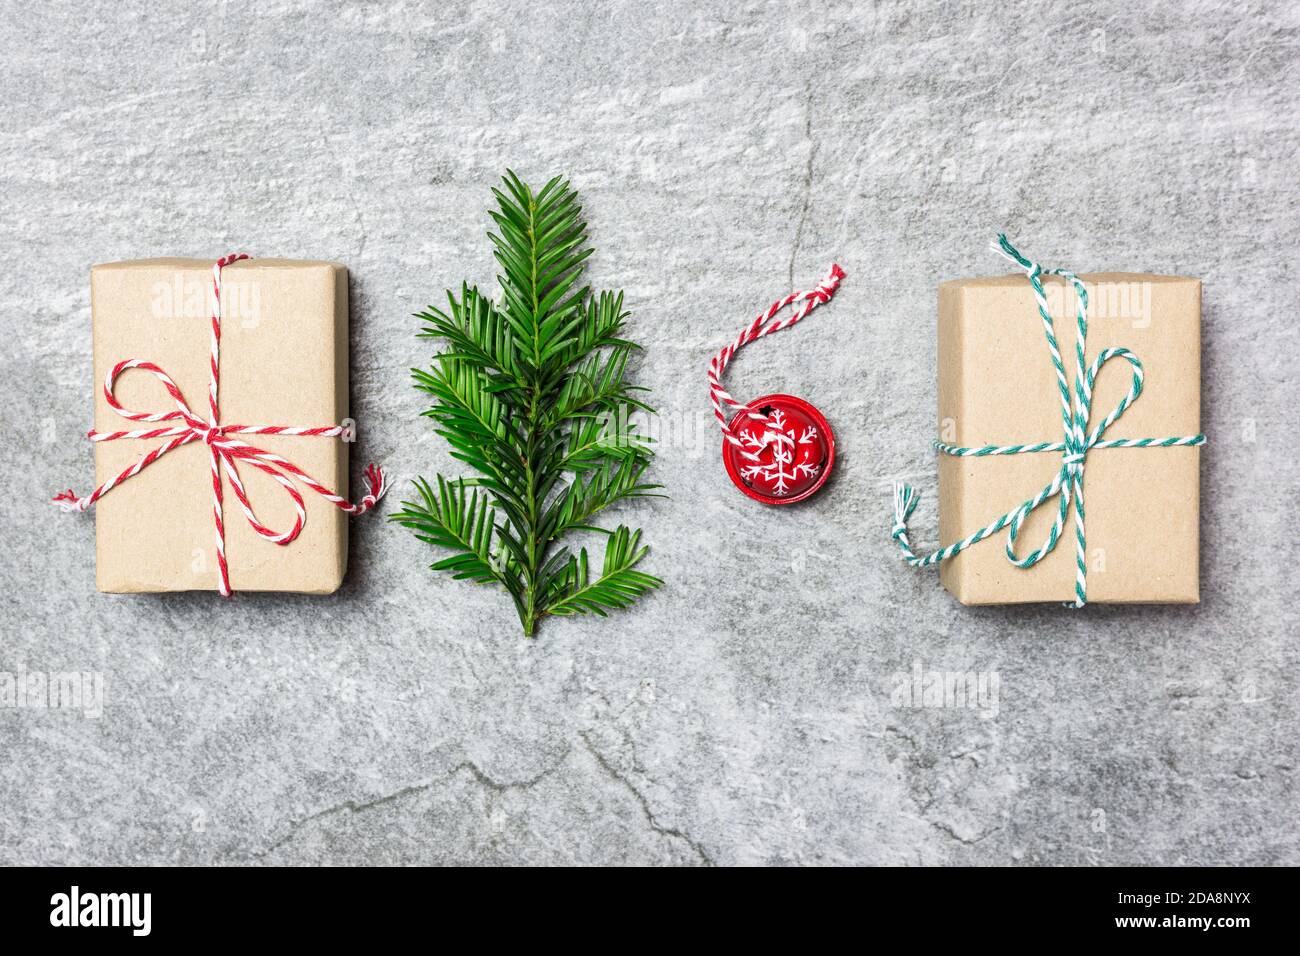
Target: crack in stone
903, 735
353, 806
807, 181
361, 806
926, 801
527, 784
351, 196
650, 817
950, 832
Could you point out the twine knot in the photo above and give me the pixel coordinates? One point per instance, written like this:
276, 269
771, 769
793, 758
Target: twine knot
1076, 411
225, 451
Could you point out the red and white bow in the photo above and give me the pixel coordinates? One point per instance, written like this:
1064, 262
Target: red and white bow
225, 450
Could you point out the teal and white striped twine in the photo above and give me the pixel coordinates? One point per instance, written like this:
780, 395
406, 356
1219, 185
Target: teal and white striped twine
1066, 484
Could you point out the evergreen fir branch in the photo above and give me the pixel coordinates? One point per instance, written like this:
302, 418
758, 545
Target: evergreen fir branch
619, 584
477, 334
595, 491
465, 525
532, 393
466, 406
597, 383
592, 440
540, 250
604, 322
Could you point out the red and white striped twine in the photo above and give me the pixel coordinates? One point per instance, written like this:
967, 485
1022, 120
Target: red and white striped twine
225, 451
763, 324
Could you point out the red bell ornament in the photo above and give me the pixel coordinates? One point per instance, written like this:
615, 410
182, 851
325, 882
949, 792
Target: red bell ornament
793, 446
778, 449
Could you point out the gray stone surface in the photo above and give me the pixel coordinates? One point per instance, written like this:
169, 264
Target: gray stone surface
725, 153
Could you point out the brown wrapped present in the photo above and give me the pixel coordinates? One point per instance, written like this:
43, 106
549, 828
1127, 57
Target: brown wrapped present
1024, 413
273, 334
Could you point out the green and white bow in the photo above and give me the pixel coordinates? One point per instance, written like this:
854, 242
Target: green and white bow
1076, 409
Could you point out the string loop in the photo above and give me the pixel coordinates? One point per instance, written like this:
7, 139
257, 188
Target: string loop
764, 324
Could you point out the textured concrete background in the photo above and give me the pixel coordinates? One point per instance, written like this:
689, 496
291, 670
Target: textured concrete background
725, 152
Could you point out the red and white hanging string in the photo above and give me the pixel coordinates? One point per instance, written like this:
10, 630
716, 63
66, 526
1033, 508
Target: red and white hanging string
764, 324
224, 450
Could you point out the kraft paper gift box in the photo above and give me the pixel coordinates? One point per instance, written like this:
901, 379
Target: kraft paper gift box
283, 361
998, 386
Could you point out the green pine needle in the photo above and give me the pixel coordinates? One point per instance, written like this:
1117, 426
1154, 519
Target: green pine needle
531, 392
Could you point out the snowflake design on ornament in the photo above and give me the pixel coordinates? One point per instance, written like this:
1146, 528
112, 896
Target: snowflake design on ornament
775, 444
